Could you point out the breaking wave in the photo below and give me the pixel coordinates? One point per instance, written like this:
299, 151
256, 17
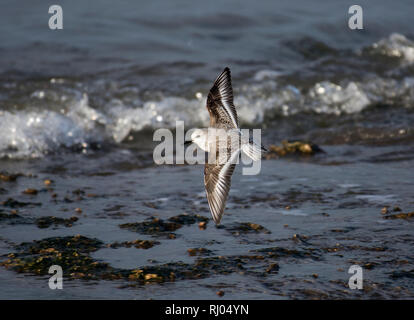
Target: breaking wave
41, 127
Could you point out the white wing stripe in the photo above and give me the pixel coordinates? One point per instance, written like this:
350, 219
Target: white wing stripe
224, 96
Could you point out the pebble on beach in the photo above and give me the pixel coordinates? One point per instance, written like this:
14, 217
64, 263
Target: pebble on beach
30, 191
220, 293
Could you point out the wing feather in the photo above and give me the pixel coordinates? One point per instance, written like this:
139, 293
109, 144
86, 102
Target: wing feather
220, 103
217, 181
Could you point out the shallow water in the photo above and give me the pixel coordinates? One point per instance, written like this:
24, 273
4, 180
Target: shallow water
307, 206
79, 107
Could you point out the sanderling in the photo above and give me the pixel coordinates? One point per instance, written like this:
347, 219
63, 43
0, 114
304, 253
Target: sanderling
222, 158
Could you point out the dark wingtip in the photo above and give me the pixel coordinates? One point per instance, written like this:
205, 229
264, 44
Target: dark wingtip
223, 78
216, 219
226, 72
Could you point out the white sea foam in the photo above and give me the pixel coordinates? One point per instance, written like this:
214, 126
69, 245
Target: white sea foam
61, 115
383, 199
293, 212
33, 133
266, 74
331, 98
396, 45
348, 185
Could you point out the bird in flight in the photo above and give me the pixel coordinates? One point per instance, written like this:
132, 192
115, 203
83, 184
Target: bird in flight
222, 157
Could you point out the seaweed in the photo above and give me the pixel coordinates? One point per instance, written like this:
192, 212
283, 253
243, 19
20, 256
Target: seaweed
198, 252
9, 177
152, 226
401, 215
11, 203
46, 222
158, 227
246, 227
293, 148
73, 254
139, 244
13, 218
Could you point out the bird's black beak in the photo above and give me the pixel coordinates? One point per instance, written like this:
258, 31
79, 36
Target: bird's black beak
186, 143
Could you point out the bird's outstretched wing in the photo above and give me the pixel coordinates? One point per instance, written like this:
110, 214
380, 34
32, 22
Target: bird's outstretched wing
220, 103
217, 181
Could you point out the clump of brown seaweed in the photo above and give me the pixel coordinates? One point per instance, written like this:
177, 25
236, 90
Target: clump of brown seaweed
293, 148
158, 227
139, 244
12, 203
388, 213
9, 177
46, 222
198, 251
246, 227
13, 218
400, 215
73, 254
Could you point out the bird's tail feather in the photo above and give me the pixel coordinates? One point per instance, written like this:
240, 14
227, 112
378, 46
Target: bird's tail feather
253, 151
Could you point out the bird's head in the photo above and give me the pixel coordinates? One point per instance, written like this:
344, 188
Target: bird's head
198, 136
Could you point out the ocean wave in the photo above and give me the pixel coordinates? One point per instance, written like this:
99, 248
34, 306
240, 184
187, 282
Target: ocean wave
34, 134
395, 46
62, 115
